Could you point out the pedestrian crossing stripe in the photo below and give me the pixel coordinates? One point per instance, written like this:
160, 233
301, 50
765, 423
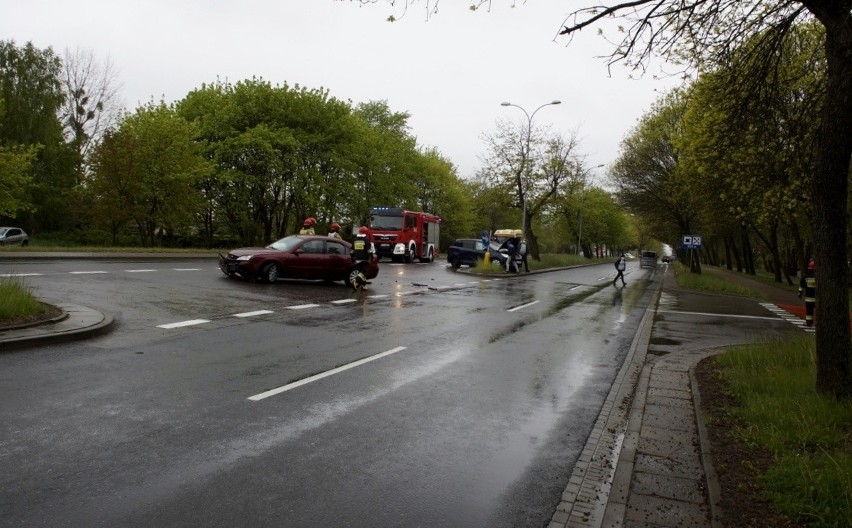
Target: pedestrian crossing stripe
787, 316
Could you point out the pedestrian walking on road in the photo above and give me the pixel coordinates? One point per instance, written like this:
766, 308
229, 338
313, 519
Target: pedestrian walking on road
620, 265
807, 286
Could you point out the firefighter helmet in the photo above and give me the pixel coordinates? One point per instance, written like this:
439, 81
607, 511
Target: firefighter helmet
363, 230
335, 227
811, 265
309, 221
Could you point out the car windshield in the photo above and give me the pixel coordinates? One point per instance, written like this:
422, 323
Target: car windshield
286, 243
3, 231
387, 223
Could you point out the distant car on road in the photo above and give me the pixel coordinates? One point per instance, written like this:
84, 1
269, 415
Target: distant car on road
310, 257
648, 259
13, 236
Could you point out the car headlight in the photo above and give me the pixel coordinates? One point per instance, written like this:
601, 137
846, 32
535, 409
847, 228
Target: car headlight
244, 258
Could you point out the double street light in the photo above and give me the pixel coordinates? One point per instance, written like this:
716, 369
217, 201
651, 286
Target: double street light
524, 169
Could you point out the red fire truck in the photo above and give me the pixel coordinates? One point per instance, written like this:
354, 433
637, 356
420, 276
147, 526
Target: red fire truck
404, 235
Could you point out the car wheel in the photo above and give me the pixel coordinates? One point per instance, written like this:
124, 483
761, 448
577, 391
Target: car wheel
455, 264
24, 243
270, 272
409, 255
428, 258
352, 280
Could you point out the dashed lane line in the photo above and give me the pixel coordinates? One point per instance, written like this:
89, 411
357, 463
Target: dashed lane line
181, 324
336, 302
87, 272
337, 370
254, 313
516, 308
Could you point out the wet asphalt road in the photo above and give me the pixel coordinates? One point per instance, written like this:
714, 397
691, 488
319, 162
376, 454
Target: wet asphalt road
473, 413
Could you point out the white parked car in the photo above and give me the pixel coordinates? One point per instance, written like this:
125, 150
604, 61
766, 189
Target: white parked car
13, 236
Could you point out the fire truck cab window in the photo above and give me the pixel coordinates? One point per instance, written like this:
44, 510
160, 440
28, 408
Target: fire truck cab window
386, 222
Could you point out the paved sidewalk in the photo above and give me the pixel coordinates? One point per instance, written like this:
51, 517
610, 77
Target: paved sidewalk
647, 460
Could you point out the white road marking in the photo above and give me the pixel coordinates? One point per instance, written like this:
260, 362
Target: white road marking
575, 287
187, 269
252, 314
302, 306
719, 315
140, 271
310, 379
522, 306
343, 301
21, 275
183, 323
380, 296
85, 272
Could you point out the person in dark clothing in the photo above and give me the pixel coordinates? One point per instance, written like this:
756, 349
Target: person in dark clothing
522, 251
620, 265
362, 253
807, 286
512, 246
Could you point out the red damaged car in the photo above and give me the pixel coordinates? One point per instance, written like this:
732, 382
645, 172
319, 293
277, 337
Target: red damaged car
311, 257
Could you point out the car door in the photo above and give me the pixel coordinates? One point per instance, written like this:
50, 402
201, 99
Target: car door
339, 260
308, 261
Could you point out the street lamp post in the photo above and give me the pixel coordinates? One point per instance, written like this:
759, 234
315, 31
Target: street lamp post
524, 169
580, 227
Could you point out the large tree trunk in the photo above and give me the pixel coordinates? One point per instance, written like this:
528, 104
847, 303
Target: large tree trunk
830, 222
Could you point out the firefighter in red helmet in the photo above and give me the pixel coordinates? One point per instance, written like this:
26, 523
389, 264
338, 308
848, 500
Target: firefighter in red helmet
334, 230
308, 226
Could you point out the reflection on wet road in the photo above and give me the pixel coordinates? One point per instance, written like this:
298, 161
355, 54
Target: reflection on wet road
474, 419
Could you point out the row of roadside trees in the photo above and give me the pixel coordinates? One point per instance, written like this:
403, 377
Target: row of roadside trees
244, 163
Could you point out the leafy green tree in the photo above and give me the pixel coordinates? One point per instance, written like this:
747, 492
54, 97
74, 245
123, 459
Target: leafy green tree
530, 168
115, 185
31, 91
165, 167
443, 193
651, 179
702, 33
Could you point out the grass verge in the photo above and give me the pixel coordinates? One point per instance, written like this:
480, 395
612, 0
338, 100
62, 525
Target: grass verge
808, 434
712, 284
16, 300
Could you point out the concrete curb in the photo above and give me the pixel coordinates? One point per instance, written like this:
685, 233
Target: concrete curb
598, 486
79, 322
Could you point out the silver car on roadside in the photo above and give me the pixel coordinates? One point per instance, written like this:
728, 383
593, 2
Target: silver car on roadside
13, 236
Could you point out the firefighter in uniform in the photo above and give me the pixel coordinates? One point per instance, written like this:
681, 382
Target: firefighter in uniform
308, 226
335, 231
362, 253
807, 286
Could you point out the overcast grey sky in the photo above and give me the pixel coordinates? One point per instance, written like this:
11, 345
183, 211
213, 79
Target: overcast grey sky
449, 72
